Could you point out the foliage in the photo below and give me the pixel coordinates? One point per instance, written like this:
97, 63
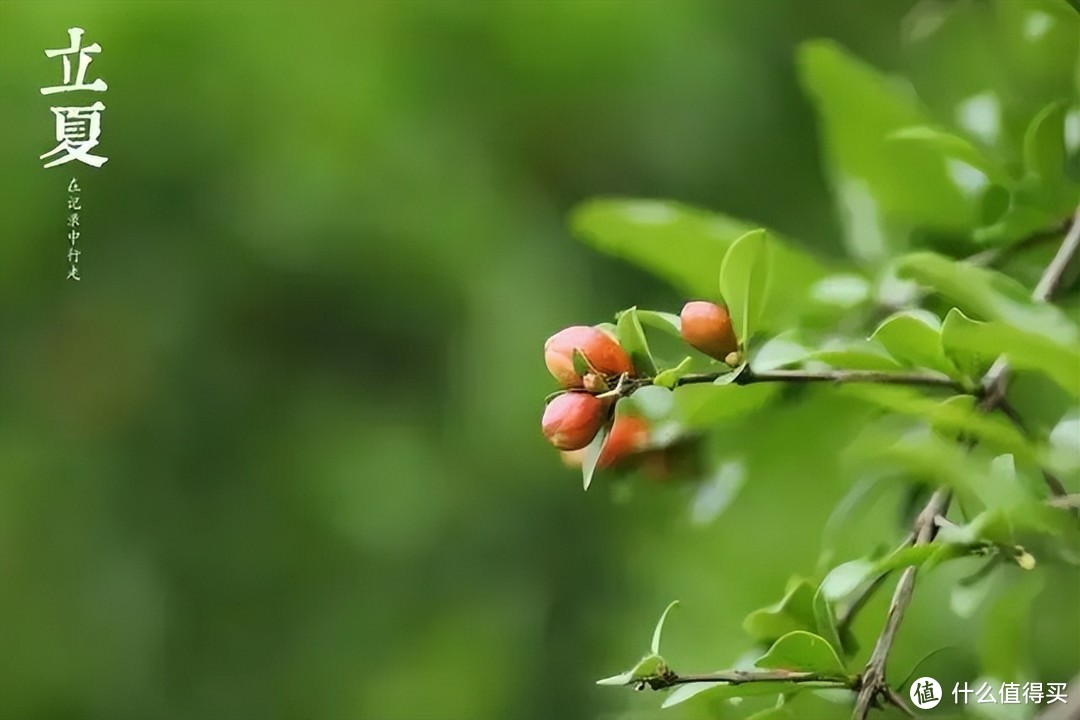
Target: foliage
929, 328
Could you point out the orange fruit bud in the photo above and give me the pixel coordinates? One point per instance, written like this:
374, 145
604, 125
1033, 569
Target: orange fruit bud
572, 420
628, 435
707, 327
599, 348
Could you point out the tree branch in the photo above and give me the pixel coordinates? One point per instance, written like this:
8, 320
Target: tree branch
750, 377
873, 676
995, 383
1055, 271
742, 677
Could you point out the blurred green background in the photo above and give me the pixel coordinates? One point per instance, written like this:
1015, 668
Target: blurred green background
277, 455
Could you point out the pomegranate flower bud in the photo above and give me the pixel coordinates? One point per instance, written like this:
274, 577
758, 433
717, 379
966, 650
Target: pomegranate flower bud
707, 327
628, 435
601, 350
572, 420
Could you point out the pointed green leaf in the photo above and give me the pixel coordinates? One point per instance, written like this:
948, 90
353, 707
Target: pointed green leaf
684, 245
655, 646
802, 651
856, 355
1058, 360
1004, 649
668, 378
652, 402
679, 243
825, 616
957, 415
665, 322
632, 338
646, 667
843, 579
952, 146
778, 352
723, 691
592, 455
859, 109
1044, 146
914, 338
988, 295
744, 282
794, 612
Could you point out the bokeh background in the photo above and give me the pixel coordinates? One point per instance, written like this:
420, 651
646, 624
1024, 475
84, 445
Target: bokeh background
277, 455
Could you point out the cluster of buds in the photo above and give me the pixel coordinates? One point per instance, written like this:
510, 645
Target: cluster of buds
588, 361
573, 418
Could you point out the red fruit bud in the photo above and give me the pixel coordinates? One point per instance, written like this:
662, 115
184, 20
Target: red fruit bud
707, 327
599, 348
572, 420
628, 435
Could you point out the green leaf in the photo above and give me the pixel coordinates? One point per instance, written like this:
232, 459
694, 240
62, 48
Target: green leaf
1003, 649
967, 596
983, 183
825, 616
988, 295
665, 322
905, 557
668, 378
843, 290
779, 351
744, 282
1001, 525
632, 338
686, 246
679, 243
920, 456
844, 579
1023, 349
730, 377
652, 402
860, 109
802, 651
914, 338
794, 612
957, 415
942, 662
952, 146
855, 504
723, 691
655, 646
856, 355
645, 668
592, 455
650, 665
1044, 156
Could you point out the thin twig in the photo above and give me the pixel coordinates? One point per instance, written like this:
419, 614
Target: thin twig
742, 677
896, 699
750, 377
1055, 271
873, 676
